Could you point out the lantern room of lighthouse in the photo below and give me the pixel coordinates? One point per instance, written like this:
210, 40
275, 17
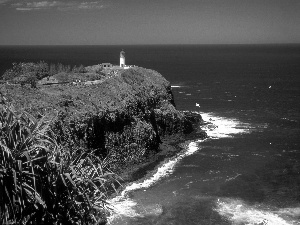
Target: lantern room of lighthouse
122, 59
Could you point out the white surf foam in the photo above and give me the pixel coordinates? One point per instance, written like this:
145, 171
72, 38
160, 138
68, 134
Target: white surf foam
221, 127
239, 212
294, 212
162, 171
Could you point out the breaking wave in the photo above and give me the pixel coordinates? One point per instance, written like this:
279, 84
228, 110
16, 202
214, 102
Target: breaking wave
239, 212
222, 127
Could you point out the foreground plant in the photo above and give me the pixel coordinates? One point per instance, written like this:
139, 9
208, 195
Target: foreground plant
43, 183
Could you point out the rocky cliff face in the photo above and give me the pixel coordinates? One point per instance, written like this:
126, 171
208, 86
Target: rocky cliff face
123, 118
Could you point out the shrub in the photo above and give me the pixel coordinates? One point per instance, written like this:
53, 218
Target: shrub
37, 70
43, 183
79, 69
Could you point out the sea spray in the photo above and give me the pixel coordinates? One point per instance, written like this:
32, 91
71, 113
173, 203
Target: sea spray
221, 127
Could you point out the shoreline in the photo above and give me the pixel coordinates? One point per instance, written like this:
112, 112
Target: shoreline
169, 147
172, 149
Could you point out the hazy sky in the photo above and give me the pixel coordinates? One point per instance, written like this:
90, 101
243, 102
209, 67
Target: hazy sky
81, 22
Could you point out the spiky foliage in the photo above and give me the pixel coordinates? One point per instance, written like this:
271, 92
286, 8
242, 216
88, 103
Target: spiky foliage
24, 145
43, 183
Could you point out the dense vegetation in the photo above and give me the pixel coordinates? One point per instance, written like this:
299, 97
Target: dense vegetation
29, 72
44, 183
89, 131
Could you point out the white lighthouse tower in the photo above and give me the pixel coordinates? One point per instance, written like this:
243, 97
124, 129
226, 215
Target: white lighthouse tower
122, 59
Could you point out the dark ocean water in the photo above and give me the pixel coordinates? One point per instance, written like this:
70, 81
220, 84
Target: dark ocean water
248, 171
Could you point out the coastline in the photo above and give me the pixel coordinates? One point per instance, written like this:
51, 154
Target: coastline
169, 147
172, 149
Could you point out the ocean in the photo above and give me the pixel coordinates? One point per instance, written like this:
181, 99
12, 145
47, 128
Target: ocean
248, 170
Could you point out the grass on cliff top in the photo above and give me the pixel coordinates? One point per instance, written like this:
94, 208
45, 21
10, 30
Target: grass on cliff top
64, 77
112, 94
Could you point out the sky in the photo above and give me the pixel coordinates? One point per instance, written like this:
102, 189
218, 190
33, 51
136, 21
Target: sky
134, 22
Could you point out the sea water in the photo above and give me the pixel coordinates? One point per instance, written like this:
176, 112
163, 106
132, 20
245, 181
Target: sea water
248, 170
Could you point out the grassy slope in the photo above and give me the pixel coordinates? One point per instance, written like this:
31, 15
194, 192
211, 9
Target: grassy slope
114, 93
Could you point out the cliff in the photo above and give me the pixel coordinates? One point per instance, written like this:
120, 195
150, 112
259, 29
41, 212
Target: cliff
122, 118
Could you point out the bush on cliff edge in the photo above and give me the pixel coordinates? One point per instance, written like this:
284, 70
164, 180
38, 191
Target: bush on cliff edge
41, 183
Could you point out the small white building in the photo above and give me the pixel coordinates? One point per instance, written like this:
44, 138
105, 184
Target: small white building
106, 65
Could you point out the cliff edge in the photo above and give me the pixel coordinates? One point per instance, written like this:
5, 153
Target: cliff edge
122, 118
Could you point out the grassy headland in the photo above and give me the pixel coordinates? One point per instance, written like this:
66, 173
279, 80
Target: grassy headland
118, 123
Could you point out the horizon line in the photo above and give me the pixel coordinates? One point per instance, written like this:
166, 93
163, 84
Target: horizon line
3, 45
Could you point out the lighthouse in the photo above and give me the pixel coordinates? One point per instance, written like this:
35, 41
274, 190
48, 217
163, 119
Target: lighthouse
122, 58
